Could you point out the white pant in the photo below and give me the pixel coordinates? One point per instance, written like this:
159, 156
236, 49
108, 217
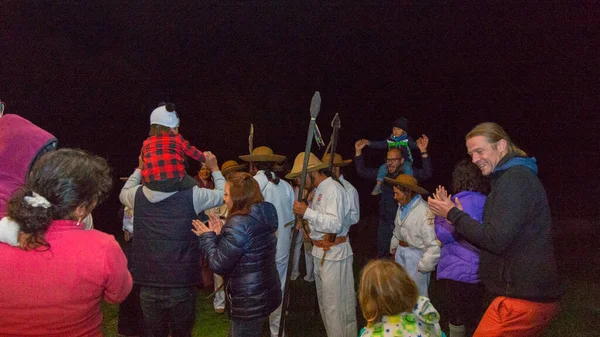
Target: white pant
282, 257
308, 258
409, 257
219, 301
336, 295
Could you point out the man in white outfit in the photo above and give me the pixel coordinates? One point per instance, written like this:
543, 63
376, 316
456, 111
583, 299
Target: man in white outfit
281, 194
332, 255
351, 192
414, 244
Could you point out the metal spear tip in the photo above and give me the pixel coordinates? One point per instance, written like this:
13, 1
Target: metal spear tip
315, 105
336, 121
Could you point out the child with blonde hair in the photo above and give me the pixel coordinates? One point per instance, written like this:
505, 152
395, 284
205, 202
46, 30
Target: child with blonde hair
391, 304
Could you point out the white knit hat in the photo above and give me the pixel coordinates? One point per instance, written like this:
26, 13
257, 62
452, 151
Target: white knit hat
162, 116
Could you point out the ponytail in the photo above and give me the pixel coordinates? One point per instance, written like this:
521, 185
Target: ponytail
33, 219
272, 176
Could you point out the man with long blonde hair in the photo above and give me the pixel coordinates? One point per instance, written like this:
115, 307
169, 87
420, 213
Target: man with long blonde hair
517, 263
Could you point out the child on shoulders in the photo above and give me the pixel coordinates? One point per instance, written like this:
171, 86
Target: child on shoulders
164, 152
398, 139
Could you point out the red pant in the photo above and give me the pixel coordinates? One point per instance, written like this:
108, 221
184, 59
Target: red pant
516, 317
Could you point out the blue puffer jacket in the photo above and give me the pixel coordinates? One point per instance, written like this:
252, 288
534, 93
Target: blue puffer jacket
459, 260
244, 254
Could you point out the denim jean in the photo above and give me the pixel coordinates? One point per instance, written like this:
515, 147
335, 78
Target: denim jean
251, 328
167, 309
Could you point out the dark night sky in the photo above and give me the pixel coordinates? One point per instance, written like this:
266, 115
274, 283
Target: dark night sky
91, 73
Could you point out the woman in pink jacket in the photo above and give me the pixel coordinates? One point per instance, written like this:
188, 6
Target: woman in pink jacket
53, 284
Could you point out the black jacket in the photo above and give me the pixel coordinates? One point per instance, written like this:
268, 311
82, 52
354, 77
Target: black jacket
244, 254
165, 250
517, 258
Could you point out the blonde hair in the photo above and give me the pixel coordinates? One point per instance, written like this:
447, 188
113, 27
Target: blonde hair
493, 133
385, 289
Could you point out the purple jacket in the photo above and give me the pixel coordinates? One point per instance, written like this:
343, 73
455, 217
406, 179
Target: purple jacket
459, 260
20, 143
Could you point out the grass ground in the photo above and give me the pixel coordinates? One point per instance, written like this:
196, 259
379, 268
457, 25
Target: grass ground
577, 254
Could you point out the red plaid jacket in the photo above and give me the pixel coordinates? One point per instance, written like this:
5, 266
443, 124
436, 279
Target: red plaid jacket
164, 156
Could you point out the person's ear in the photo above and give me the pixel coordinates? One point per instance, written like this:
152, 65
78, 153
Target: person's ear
501, 145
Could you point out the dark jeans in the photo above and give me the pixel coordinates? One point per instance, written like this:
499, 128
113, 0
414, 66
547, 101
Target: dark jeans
384, 237
130, 311
252, 328
167, 309
130, 314
465, 304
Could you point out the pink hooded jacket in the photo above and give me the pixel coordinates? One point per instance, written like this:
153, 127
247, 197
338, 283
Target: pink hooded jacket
21, 142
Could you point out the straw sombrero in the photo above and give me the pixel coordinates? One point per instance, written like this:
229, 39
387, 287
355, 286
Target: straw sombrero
314, 164
337, 160
407, 181
232, 166
263, 153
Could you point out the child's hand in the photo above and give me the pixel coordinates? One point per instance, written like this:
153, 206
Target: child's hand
211, 161
140, 161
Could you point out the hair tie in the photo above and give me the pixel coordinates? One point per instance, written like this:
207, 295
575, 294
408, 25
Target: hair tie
37, 201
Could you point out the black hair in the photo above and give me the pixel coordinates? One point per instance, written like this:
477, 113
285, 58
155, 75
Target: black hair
327, 172
67, 178
170, 107
468, 177
267, 167
410, 193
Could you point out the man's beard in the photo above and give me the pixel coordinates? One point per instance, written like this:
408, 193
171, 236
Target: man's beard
395, 174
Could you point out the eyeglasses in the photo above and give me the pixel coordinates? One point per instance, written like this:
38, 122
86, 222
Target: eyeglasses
391, 159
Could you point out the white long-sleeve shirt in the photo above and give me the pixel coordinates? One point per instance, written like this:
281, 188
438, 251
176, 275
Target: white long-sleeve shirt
417, 229
328, 214
282, 197
353, 203
203, 198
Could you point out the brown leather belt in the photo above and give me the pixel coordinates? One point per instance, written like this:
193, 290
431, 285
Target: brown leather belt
403, 243
326, 245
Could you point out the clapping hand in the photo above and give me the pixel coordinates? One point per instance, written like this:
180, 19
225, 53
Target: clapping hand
214, 223
441, 203
441, 193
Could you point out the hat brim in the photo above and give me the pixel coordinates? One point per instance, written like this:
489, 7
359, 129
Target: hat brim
415, 188
342, 163
260, 157
278, 168
235, 168
293, 174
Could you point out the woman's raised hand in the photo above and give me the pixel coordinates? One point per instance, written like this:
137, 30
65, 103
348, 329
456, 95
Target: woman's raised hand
215, 223
199, 227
